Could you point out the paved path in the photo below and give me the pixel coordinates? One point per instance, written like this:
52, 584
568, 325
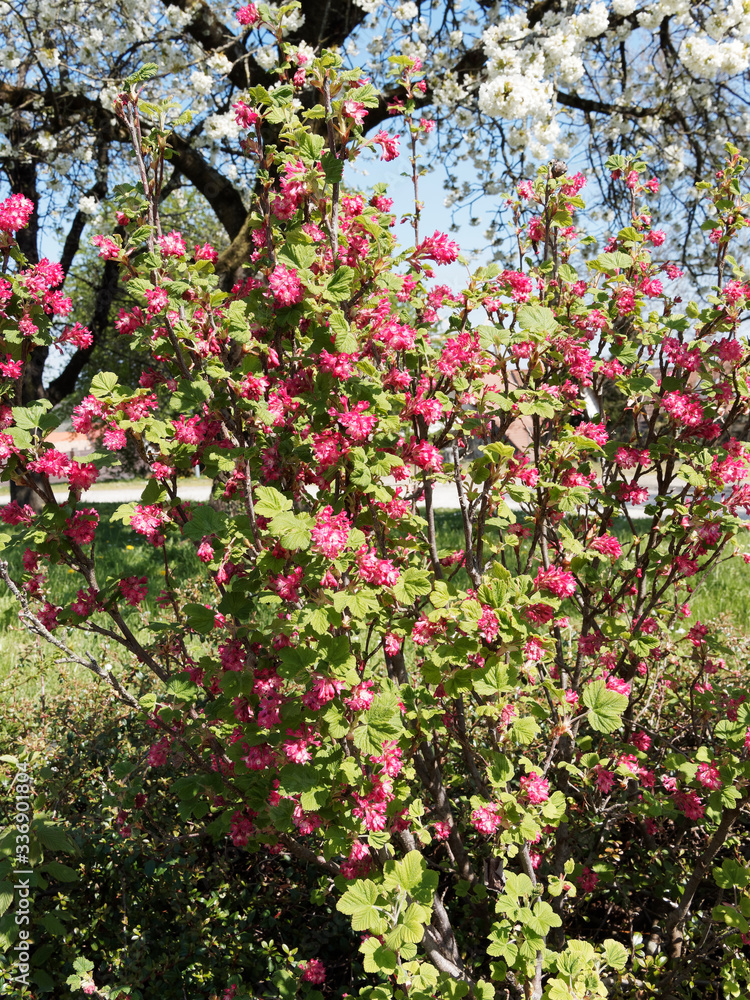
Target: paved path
445, 497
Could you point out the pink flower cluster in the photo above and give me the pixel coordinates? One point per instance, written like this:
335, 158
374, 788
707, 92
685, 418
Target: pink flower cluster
331, 532
439, 248
15, 213
555, 581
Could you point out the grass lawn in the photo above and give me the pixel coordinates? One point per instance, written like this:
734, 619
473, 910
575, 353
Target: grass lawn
30, 668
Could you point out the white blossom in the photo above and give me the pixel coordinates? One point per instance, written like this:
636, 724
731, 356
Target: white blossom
49, 58
88, 205
201, 83
406, 11
267, 57
708, 59
594, 21
222, 126
219, 63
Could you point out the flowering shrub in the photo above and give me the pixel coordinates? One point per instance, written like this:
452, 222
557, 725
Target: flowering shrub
492, 753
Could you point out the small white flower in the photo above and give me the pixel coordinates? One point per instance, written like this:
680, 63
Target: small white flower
88, 204
201, 82
406, 11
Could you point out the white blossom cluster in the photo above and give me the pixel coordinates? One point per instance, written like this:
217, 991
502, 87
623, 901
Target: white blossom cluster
515, 102
527, 65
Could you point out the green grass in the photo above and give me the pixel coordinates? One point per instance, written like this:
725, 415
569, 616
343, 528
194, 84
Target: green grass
30, 667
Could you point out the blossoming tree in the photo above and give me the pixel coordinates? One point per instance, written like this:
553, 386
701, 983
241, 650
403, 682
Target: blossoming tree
509, 85
502, 759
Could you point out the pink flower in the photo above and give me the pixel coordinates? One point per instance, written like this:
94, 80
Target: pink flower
425, 455
534, 650
134, 589
108, 249
355, 110
607, 545
285, 286
708, 776
539, 614
361, 697
81, 528
205, 551
315, 972
157, 299
439, 248
15, 213
331, 533
172, 244
391, 644
488, 626
555, 581
374, 570
536, 788
690, 804
486, 819
85, 602
13, 513
10, 368
77, 335
587, 880
596, 432
247, 15
520, 284
525, 189
206, 252
147, 520
652, 287
605, 780
245, 116
388, 145
641, 741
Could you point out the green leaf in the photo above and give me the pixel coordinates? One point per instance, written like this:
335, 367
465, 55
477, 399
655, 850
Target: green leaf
615, 954
293, 529
537, 319
525, 729
412, 584
731, 917
6, 896
605, 707
102, 384
333, 167
412, 874
63, 873
377, 958
31, 416
381, 722
51, 923
731, 875
346, 340
409, 929
270, 502
199, 617
53, 837
612, 261
360, 903
339, 285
